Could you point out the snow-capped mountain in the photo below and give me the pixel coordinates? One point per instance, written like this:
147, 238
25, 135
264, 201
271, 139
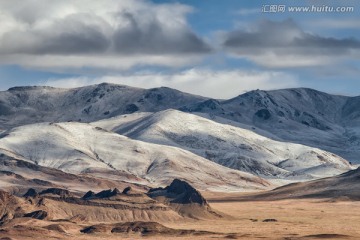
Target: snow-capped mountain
228, 145
25, 105
225, 133
82, 148
302, 115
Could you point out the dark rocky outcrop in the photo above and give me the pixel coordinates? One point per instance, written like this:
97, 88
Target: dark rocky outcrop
56, 191
179, 192
270, 220
185, 193
107, 193
104, 194
263, 114
31, 193
131, 108
143, 228
185, 200
40, 214
88, 195
207, 105
93, 229
116, 191
127, 190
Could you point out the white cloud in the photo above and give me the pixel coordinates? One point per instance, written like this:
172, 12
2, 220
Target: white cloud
335, 23
92, 33
205, 82
284, 44
68, 63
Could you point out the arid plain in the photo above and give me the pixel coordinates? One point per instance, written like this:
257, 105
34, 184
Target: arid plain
281, 219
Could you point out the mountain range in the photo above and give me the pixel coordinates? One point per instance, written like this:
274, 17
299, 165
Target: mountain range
112, 161
305, 116
151, 136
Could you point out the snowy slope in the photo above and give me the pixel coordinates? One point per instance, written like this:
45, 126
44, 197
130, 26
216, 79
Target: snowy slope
301, 115
26, 105
83, 148
228, 145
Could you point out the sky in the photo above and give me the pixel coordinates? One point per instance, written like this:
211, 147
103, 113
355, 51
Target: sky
213, 48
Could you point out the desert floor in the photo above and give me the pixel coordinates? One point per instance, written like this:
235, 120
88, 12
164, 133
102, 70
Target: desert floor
295, 219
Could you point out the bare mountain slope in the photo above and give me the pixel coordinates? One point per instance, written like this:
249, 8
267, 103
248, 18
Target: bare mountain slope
343, 187
227, 145
62, 214
16, 176
82, 148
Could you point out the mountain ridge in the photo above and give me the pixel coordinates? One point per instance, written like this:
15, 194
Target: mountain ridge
227, 145
297, 115
343, 187
80, 148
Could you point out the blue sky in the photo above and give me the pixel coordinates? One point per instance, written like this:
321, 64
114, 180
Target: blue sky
207, 47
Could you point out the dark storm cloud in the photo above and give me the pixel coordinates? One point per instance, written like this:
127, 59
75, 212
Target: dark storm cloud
74, 34
154, 38
285, 38
90, 34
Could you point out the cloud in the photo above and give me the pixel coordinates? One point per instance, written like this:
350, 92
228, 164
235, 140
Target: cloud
205, 82
75, 63
84, 31
156, 38
285, 44
74, 34
335, 23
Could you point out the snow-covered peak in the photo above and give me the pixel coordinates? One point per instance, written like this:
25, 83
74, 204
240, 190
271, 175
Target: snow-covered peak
31, 88
25, 105
228, 145
298, 115
83, 148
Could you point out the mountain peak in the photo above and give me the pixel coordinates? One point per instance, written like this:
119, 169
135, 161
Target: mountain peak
30, 88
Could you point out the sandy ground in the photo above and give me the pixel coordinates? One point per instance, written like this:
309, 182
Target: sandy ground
295, 219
